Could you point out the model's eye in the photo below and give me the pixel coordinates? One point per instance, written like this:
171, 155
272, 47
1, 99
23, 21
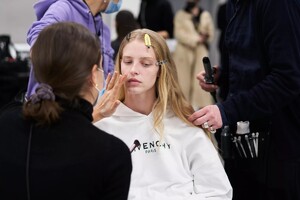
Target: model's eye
147, 63
127, 61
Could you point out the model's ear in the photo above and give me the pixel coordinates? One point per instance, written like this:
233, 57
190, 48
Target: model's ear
94, 75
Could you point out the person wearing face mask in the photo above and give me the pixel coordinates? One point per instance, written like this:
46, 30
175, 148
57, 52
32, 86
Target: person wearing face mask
49, 148
85, 12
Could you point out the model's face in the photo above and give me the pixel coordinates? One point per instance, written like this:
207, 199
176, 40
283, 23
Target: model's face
139, 63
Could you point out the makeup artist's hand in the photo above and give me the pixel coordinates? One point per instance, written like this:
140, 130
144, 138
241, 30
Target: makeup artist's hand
209, 87
208, 117
109, 102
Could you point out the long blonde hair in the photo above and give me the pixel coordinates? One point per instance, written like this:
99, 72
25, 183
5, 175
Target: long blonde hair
168, 91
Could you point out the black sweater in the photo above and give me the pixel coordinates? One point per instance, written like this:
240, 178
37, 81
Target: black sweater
156, 15
71, 159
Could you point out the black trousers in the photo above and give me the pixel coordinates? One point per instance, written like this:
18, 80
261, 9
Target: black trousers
291, 173
264, 178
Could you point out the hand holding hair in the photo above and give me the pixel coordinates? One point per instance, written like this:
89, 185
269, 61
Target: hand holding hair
209, 117
109, 102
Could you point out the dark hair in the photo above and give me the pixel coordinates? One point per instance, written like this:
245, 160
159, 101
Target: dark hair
189, 6
63, 57
125, 23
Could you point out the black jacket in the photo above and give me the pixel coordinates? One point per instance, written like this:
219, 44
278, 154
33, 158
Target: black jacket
71, 159
156, 15
263, 72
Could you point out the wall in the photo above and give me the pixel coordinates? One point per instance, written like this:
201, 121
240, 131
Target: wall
210, 5
17, 16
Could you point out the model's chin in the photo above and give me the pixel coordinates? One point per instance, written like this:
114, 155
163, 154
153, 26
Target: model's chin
132, 84
133, 90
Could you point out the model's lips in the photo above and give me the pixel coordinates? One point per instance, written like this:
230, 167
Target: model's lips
133, 80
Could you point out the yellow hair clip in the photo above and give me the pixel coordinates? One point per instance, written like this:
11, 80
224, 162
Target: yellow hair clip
147, 40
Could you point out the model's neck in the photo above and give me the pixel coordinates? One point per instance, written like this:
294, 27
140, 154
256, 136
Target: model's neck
140, 104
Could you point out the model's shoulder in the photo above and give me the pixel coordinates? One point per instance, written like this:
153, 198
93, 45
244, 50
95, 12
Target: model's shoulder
176, 125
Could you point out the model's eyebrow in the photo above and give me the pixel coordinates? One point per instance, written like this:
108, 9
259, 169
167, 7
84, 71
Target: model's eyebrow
142, 58
148, 58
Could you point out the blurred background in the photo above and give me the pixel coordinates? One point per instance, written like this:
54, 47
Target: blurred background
17, 16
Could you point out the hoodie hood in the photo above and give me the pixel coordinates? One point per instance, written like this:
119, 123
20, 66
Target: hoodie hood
42, 6
124, 111
53, 11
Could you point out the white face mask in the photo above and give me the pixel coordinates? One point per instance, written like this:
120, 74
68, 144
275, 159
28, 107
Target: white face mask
113, 7
102, 84
100, 93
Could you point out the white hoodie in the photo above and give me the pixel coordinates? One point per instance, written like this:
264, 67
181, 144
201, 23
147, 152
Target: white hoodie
184, 165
